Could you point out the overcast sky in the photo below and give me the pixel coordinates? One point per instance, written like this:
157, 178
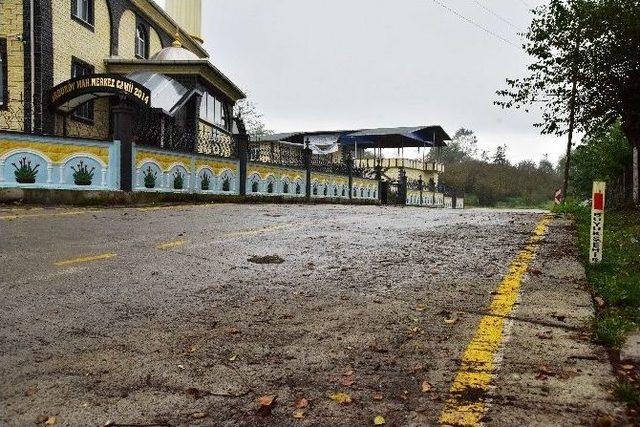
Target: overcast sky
349, 64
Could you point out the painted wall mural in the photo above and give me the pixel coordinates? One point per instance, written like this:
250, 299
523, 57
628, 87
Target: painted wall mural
365, 188
328, 185
267, 180
47, 162
163, 171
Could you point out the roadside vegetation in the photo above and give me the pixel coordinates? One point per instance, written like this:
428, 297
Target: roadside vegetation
488, 179
615, 282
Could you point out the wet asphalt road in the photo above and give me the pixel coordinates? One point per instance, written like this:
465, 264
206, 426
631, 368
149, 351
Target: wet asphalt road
155, 316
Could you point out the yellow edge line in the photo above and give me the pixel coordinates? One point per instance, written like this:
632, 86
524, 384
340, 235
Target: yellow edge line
466, 404
169, 245
84, 259
20, 216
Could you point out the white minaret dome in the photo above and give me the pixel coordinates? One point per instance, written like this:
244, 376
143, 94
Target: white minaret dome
175, 52
188, 14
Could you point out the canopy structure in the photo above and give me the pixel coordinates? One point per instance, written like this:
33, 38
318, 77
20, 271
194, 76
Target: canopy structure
419, 136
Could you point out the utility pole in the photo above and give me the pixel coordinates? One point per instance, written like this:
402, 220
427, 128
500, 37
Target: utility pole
572, 123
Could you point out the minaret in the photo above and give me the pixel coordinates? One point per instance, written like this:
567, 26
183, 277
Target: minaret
188, 14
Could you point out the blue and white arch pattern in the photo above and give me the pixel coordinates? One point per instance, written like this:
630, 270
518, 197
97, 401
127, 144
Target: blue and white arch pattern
34, 160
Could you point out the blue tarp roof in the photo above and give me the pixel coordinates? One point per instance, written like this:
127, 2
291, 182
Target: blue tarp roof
418, 136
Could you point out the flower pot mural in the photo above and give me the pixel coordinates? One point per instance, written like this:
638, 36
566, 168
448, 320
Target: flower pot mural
205, 182
226, 184
178, 181
25, 173
149, 178
82, 175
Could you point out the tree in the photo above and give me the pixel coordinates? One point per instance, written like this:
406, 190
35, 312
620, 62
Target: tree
463, 146
253, 118
586, 59
500, 156
545, 165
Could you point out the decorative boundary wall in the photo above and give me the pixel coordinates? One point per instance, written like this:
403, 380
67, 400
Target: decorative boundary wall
324, 185
365, 188
165, 171
29, 161
269, 180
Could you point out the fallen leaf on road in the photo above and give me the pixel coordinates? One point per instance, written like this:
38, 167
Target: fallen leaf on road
298, 414
451, 320
420, 308
266, 400
347, 381
627, 367
30, 391
379, 420
599, 301
348, 373
199, 415
341, 398
233, 331
193, 392
47, 420
545, 335
377, 396
302, 403
233, 358
426, 387
266, 403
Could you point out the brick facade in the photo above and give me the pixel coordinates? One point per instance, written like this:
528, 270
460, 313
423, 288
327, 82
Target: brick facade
12, 23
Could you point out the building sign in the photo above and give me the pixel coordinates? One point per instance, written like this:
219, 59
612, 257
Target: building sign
68, 95
597, 222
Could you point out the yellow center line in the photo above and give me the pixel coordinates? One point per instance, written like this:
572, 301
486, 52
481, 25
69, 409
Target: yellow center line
466, 404
259, 230
81, 260
70, 213
169, 245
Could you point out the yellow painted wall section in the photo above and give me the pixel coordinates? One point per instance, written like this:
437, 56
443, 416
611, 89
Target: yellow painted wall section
72, 39
164, 160
218, 166
155, 44
57, 153
11, 23
278, 173
127, 36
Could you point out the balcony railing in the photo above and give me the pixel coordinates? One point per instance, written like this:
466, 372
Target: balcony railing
388, 163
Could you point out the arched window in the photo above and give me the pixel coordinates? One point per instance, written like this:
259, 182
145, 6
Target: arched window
141, 42
254, 187
270, 187
285, 187
298, 189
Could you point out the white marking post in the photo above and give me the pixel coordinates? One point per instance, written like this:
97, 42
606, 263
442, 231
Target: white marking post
597, 222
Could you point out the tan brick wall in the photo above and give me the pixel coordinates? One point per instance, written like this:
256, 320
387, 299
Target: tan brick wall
155, 45
127, 36
71, 38
11, 21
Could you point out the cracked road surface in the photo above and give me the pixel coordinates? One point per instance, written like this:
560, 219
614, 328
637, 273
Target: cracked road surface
155, 316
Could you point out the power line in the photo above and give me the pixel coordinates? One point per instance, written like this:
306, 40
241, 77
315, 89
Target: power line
486, 9
475, 24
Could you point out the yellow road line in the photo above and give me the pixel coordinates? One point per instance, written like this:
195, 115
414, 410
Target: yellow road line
466, 404
259, 230
169, 245
70, 213
84, 259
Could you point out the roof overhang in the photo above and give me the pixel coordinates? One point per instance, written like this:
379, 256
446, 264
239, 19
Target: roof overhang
202, 68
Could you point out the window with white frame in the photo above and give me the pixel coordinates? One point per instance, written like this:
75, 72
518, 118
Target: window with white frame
82, 10
212, 110
141, 42
81, 69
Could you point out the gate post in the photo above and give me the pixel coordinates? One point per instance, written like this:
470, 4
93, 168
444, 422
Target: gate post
402, 189
123, 117
306, 152
420, 188
242, 145
349, 161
